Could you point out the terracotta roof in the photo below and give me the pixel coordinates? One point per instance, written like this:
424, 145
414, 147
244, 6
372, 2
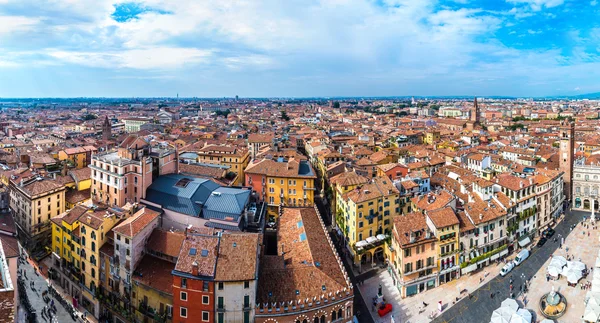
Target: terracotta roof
377, 187
348, 179
81, 174
443, 217
134, 224
238, 256
200, 250
76, 196
260, 137
291, 168
73, 215
156, 273
308, 266
433, 200
408, 224
165, 242
513, 183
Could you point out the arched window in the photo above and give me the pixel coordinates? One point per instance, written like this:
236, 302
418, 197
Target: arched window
305, 321
322, 318
333, 315
316, 320
340, 314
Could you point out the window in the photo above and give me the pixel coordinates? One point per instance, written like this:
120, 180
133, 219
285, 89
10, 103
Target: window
183, 282
205, 300
246, 317
205, 286
246, 301
246, 284
220, 318
183, 312
220, 285
183, 296
204, 316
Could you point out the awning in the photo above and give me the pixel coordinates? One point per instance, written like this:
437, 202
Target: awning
381, 237
524, 242
361, 243
371, 239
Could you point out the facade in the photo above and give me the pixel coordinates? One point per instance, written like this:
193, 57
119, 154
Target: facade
122, 176
445, 226
34, 200
235, 158
134, 124
79, 157
550, 197
282, 182
106, 129
586, 186
257, 140
412, 258
522, 192
367, 214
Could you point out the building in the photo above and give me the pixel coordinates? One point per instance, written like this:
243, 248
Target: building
78, 157
368, 212
256, 141
236, 158
285, 182
124, 175
198, 202
586, 185
342, 184
412, 258
522, 214
8, 305
133, 124
445, 226
550, 197
34, 200
236, 277
302, 278
567, 150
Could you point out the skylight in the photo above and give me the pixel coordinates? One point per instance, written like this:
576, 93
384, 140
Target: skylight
302, 236
192, 251
299, 224
204, 253
183, 182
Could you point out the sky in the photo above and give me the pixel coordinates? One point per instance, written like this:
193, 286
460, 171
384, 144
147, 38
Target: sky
298, 48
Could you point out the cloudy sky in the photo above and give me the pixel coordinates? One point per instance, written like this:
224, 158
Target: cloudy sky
300, 48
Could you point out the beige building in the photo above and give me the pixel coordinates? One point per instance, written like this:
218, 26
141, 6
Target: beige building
34, 200
133, 124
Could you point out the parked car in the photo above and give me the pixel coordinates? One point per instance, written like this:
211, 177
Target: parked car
521, 256
541, 242
549, 232
507, 268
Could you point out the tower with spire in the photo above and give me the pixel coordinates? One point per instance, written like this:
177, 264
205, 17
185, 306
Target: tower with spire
475, 112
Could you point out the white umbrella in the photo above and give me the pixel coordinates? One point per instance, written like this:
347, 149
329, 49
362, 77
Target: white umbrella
502, 315
596, 274
597, 262
511, 304
591, 313
573, 276
577, 265
547, 321
516, 318
559, 259
525, 314
554, 271
592, 298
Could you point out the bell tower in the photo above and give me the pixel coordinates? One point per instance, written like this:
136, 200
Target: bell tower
567, 149
106, 129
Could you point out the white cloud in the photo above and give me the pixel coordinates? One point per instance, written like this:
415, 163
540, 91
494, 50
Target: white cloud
537, 5
593, 3
10, 24
151, 58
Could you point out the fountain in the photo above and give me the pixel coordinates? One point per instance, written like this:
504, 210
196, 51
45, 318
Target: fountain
553, 305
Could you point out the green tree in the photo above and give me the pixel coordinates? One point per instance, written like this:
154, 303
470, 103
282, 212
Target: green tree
336, 105
284, 116
90, 116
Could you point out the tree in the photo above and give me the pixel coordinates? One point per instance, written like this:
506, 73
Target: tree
224, 113
90, 116
284, 116
336, 105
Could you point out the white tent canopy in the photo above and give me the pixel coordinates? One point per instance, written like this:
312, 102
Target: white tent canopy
510, 303
591, 313
547, 321
597, 262
554, 271
575, 265
573, 276
562, 261
516, 318
525, 314
502, 315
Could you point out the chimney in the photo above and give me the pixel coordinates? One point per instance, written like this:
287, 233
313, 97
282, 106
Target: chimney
480, 216
521, 184
195, 268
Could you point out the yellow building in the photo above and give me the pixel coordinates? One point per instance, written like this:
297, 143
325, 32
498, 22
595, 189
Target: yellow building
235, 157
77, 237
290, 183
368, 212
79, 157
444, 224
431, 137
78, 191
342, 184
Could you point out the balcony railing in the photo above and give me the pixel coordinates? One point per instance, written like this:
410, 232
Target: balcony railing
449, 253
152, 313
221, 308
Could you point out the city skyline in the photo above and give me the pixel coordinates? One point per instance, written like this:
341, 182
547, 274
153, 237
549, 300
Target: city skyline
515, 48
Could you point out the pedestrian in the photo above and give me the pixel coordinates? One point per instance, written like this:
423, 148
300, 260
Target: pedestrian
492, 295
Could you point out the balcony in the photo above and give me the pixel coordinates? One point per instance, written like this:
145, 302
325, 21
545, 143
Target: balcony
449, 253
152, 313
432, 266
308, 188
221, 308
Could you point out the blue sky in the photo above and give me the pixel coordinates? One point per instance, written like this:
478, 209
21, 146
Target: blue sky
263, 48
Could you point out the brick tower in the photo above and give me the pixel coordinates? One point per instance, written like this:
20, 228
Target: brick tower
567, 149
106, 129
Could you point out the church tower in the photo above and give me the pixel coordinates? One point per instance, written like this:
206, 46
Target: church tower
106, 129
475, 112
567, 149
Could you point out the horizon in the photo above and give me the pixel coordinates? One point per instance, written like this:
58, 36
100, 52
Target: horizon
326, 48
